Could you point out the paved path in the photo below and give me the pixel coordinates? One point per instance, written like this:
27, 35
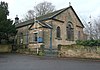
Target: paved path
30, 62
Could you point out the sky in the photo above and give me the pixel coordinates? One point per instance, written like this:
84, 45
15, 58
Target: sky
84, 8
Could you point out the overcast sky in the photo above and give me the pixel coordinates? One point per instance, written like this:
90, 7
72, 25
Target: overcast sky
84, 8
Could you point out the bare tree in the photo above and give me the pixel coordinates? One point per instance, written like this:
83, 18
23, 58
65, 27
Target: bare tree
93, 29
29, 15
44, 8
96, 28
39, 10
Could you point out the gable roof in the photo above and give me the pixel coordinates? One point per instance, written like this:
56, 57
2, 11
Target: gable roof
44, 25
25, 23
48, 16
40, 18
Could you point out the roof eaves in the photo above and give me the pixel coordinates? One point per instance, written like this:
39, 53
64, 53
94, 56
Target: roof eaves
57, 20
44, 19
22, 25
40, 21
25, 23
47, 25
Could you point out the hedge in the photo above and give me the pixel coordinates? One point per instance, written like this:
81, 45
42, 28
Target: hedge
88, 42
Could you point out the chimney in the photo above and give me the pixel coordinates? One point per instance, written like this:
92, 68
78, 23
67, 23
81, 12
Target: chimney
16, 20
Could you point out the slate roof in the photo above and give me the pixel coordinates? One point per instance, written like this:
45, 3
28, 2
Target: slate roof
46, 17
44, 25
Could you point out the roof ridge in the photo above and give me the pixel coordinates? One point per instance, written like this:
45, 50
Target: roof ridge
56, 11
44, 17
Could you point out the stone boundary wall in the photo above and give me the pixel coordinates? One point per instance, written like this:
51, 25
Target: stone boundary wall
5, 48
79, 51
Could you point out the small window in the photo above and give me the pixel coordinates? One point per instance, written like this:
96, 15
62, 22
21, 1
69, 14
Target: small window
58, 34
35, 36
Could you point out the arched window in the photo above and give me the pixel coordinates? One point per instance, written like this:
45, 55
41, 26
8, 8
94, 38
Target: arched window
70, 31
58, 34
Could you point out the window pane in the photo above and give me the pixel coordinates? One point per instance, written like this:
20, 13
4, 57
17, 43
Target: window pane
35, 35
70, 32
58, 32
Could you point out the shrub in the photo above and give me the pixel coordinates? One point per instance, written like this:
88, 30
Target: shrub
41, 50
42, 47
41, 53
88, 42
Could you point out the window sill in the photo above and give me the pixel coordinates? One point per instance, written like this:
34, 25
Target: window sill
58, 38
69, 39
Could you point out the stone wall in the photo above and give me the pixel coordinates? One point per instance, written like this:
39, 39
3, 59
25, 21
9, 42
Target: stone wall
5, 48
66, 16
79, 51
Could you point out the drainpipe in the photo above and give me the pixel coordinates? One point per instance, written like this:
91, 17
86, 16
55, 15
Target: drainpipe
27, 37
37, 49
51, 39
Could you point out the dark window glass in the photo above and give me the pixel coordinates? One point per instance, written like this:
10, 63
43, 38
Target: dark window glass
58, 32
35, 36
70, 32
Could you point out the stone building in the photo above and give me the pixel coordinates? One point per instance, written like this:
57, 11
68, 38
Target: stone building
59, 27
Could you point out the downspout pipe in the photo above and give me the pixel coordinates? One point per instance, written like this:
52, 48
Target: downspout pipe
51, 39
